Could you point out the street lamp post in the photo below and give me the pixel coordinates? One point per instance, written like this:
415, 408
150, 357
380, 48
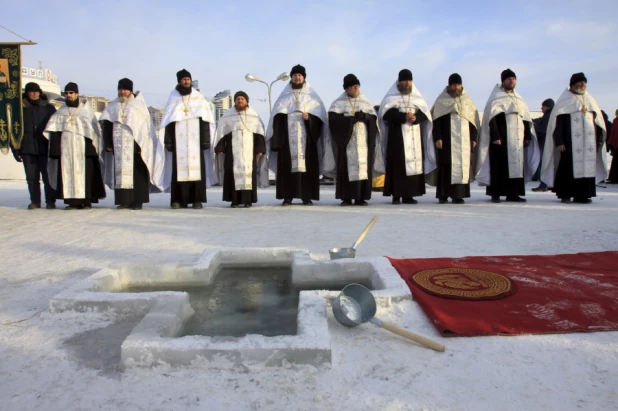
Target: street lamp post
283, 77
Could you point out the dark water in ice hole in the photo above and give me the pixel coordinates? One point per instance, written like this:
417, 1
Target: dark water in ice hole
242, 301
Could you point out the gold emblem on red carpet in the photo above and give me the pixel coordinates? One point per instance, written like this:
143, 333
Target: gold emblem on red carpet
464, 283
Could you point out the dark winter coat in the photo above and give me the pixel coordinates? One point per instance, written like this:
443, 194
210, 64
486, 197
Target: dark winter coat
36, 115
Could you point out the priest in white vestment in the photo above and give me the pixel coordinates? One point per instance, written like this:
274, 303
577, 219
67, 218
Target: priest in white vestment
130, 144
456, 128
297, 134
405, 130
575, 158
189, 125
239, 142
353, 126
74, 167
508, 153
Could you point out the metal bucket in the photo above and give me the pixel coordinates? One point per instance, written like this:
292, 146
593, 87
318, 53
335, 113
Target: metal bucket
337, 253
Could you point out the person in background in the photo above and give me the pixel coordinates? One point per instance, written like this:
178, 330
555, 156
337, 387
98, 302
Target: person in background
540, 126
354, 129
508, 153
406, 133
34, 146
456, 127
612, 147
74, 138
297, 133
189, 125
239, 139
575, 155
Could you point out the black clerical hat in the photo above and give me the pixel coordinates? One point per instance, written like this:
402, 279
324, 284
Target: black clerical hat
182, 74
578, 77
506, 74
454, 79
405, 75
125, 84
243, 94
71, 87
350, 80
298, 69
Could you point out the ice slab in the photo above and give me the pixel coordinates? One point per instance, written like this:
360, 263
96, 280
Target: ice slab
158, 337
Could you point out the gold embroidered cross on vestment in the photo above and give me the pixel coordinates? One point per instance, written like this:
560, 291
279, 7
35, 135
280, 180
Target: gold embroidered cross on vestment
584, 108
186, 104
514, 98
353, 105
297, 98
244, 122
71, 116
406, 104
458, 106
123, 115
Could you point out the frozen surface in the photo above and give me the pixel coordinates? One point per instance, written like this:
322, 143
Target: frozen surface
69, 360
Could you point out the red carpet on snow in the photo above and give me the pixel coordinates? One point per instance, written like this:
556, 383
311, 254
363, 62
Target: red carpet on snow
554, 294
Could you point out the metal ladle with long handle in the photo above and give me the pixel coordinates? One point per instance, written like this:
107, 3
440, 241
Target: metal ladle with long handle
356, 305
336, 253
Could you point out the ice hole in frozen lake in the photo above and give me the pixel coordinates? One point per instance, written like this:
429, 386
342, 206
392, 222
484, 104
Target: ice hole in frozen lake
243, 300
237, 305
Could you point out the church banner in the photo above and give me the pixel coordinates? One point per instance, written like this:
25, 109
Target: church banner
11, 116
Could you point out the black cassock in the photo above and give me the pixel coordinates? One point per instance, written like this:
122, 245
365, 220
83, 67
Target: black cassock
140, 193
229, 188
396, 182
442, 131
341, 128
305, 186
501, 184
188, 192
95, 188
565, 184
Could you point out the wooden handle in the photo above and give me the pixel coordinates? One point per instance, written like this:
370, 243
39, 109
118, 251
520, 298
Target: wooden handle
414, 337
364, 233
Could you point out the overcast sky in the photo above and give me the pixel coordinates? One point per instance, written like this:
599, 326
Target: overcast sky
96, 43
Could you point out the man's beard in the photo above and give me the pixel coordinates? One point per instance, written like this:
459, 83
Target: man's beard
508, 88
73, 103
578, 90
403, 89
297, 86
182, 90
455, 93
240, 108
124, 99
352, 95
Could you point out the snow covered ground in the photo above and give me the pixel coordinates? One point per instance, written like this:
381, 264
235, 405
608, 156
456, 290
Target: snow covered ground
69, 361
